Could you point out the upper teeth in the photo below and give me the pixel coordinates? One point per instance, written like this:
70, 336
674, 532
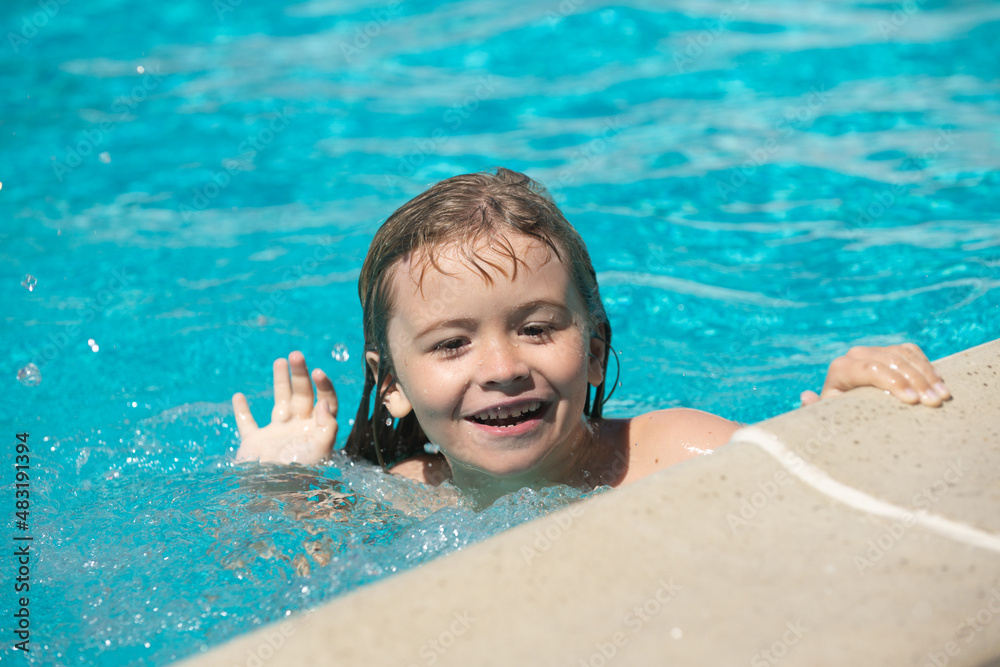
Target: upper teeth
504, 413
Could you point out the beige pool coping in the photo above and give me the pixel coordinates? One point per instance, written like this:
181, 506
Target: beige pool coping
857, 531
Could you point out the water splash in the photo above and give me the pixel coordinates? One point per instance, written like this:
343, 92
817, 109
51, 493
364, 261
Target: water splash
274, 538
29, 376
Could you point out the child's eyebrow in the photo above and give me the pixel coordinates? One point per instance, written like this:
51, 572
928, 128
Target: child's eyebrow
456, 323
526, 308
470, 323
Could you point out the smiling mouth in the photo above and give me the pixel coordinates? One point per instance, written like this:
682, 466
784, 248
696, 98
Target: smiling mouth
514, 417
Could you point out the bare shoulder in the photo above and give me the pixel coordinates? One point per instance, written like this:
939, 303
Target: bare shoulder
690, 427
665, 437
430, 469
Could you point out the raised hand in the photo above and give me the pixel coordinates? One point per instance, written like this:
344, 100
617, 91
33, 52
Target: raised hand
902, 370
300, 431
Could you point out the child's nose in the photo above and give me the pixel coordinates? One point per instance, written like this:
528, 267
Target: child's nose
502, 363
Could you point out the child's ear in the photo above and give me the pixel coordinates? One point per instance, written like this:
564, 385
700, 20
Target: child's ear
595, 362
394, 397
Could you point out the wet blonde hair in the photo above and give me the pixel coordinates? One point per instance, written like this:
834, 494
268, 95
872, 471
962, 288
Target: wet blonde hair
464, 211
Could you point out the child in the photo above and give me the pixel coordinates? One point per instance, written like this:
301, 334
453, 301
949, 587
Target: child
485, 335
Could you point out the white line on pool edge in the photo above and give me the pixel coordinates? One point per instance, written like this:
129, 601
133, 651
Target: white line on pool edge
822, 482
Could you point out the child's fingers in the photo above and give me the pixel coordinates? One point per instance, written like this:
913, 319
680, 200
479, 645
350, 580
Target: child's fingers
325, 391
915, 355
884, 368
918, 373
924, 366
282, 390
324, 414
326, 434
808, 398
245, 423
302, 388
916, 380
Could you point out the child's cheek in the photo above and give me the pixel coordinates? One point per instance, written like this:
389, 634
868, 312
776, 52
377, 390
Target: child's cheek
434, 390
569, 361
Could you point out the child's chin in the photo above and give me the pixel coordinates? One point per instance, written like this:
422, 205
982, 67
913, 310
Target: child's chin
512, 468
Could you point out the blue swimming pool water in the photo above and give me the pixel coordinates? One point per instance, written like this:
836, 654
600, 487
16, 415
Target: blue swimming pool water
760, 184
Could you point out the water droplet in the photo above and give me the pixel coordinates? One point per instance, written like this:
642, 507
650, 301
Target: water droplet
105, 157
388, 421
140, 69
431, 448
28, 282
29, 376
94, 347
340, 352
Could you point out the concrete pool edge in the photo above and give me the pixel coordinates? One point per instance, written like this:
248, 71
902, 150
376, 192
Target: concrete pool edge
860, 531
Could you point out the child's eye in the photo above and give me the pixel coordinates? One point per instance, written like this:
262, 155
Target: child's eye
450, 346
540, 331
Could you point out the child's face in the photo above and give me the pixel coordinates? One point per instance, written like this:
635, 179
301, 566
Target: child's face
496, 374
